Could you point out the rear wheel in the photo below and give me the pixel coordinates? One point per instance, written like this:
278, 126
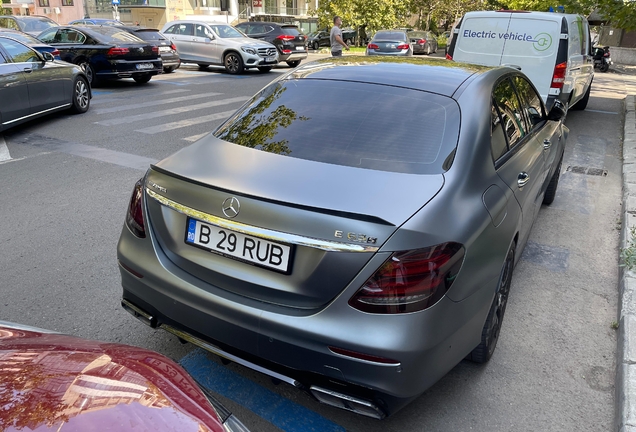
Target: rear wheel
550, 192
293, 63
265, 69
89, 71
580, 105
604, 67
169, 69
143, 79
490, 332
316, 46
233, 63
81, 96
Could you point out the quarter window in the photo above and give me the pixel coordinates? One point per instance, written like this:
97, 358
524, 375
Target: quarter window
511, 112
48, 36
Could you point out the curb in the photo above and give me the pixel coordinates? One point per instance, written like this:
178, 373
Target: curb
626, 338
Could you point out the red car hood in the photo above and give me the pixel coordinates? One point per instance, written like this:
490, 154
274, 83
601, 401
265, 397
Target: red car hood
55, 382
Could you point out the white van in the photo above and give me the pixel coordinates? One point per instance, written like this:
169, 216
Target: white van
552, 49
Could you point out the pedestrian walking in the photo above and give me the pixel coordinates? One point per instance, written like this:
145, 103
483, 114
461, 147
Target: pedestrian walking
335, 37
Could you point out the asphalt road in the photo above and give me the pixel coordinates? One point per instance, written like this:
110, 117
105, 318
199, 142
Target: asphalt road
64, 193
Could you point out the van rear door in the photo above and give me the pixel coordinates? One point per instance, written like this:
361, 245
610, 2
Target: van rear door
531, 44
481, 38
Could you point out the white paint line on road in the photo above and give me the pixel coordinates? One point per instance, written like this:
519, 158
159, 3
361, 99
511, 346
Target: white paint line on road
194, 138
601, 112
108, 96
4, 150
185, 123
171, 111
153, 103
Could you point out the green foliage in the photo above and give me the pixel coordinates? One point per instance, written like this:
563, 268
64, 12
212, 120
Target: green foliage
628, 254
381, 14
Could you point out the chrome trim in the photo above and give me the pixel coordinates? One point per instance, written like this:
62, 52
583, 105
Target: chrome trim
37, 113
218, 351
264, 233
349, 402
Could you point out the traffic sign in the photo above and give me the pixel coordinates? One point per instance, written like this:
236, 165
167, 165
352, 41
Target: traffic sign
115, 2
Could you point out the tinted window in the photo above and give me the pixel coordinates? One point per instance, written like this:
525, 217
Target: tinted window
69, 36
2, 59
149, 35
201, 30
181, 29
389, 36
511, 113
498, 143
18, 52
292, 31
530, 100
388, 133
48, 36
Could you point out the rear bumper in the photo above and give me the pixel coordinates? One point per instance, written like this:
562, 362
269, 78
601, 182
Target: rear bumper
128, 69
295, 343
293, 56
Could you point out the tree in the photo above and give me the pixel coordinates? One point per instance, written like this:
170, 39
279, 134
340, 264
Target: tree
380, 14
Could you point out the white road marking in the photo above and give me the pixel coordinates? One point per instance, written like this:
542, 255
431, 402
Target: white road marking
601, 112
153, 103
185, 123
171, 111
4, 150
194, 138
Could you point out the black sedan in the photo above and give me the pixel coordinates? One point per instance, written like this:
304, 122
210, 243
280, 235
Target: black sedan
167, 49
31, 41
105, 52
34, 84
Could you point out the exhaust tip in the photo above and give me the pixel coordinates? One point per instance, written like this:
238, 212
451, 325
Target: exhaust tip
139, 313
349, 403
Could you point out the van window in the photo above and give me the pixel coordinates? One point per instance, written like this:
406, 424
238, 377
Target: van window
511, 112
530, 101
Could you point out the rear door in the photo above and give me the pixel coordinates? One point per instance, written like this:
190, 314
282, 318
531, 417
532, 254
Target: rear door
532, 45
481, 38
13, 87
182, 34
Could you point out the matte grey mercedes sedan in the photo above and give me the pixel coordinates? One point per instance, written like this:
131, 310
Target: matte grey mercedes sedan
360, 261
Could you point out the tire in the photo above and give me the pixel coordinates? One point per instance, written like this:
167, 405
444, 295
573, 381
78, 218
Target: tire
348, 42
81, 96
233, 63
89, 71
550, 192
265, 69
316, 46
169, 69
293, 64
604, 67
580, 105
428, 50
490, 332
143, 79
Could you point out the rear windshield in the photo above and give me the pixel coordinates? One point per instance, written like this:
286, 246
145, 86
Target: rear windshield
389, 36
112, 34
292, 31
349, 123
150, 35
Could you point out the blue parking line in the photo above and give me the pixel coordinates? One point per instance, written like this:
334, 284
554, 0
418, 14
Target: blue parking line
280, 411
100, 92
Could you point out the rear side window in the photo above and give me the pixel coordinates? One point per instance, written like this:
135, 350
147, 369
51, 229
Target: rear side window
394, 129
510, 111
530, 101
181, 29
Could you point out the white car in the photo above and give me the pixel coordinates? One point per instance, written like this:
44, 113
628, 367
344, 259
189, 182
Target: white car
214, 44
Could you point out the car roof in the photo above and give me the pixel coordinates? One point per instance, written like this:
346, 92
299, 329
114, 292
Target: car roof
431, 74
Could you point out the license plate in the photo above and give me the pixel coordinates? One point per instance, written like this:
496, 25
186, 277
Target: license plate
145, 66
164, 49
270, 59
243, 247
300, 48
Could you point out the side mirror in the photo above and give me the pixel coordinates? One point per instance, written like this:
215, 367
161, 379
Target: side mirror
557, 112
48, 56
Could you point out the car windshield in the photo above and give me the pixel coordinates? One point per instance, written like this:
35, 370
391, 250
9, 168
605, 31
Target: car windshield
389, 36
386, 129
21, 37
37, 24
226, 31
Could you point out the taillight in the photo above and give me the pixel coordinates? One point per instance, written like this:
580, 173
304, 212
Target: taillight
55, 53
448, 57
558, 77
286, 37
373, 46
173, 46
285, 51
410, 281
403, 46
135, 215
155, 49
421, 42
116, 51
607, 54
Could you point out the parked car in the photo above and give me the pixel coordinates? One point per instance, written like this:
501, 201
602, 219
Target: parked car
317, 39
31, 41
167, 49
349, 35
289, 41
366, 302
31, 24
51, 381
105, 52
423, 42
37, 84
210, 44
390, 42
96, 21
552, 49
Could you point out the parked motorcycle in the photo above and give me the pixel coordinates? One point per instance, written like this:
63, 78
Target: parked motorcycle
602, 59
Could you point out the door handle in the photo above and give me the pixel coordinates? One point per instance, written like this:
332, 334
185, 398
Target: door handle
522, 179
547, 144
28, 70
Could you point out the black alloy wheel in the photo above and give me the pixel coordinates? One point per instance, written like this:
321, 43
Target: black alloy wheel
490, 332
88, 70
233, 63
81, 96
294, 63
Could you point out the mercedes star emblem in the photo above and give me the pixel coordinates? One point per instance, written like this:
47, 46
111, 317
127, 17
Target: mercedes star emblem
231, 207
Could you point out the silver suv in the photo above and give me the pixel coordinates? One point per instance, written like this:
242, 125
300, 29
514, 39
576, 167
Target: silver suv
219, 45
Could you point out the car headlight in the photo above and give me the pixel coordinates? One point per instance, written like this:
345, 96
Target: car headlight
249, 50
